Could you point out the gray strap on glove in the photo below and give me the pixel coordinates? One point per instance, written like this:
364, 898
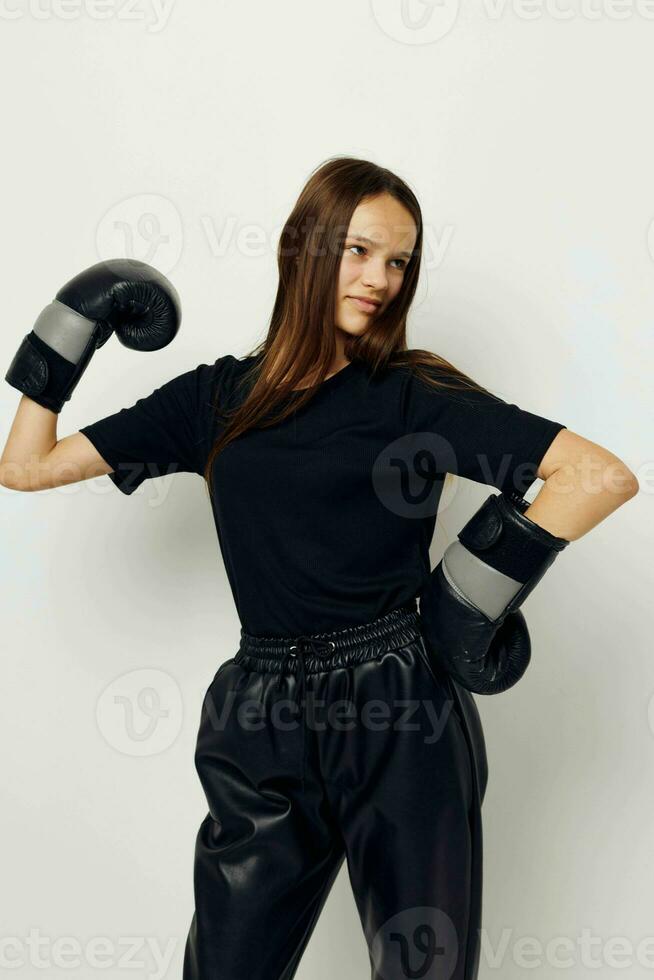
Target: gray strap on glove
123, 296
469, 606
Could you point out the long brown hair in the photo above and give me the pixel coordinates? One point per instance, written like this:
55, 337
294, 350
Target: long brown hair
301, 336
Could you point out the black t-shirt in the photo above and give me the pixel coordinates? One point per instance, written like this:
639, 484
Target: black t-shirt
325, 520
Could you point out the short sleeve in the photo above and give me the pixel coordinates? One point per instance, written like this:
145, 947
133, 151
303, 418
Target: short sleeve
478, 435
167, 431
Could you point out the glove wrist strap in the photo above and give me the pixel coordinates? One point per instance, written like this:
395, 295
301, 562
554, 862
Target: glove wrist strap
500, 556
43, 374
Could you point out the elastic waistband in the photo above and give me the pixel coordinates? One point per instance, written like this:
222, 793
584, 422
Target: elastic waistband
340, 648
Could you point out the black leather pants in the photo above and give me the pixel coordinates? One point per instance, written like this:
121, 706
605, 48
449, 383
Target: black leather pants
347, 745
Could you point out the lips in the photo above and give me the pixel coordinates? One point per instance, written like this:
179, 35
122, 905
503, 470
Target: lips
366, 306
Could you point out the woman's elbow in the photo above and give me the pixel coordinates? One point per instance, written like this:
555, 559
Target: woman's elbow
11, 477
580, 461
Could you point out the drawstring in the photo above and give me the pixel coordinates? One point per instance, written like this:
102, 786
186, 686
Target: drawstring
304, 644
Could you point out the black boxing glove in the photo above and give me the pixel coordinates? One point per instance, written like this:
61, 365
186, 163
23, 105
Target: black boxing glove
469, 606
123, 296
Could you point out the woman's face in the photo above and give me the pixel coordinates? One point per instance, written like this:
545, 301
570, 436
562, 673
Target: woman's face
379, 242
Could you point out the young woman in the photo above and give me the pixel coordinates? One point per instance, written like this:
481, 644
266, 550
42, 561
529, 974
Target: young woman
325, 452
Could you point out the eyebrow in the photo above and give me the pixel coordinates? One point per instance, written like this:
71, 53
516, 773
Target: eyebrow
369, 241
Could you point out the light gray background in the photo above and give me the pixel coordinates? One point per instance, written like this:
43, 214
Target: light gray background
166, 135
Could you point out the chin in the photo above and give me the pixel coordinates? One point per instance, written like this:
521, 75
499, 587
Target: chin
355, 326
355, 331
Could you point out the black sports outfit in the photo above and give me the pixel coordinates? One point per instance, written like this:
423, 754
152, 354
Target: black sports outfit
324, 523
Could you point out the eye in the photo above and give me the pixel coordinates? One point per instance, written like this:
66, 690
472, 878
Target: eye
403, 262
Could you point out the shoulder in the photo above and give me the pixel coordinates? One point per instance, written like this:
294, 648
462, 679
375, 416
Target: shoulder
229, 364
404, 369
429, 386
223, 370
417, 365
220, 381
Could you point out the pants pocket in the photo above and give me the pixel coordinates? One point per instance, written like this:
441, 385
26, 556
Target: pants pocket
438, 677
467, 715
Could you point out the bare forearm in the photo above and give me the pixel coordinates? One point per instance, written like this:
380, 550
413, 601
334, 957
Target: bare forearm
32, 436
576, 498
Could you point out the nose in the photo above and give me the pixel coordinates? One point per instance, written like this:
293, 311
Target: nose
375, 276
